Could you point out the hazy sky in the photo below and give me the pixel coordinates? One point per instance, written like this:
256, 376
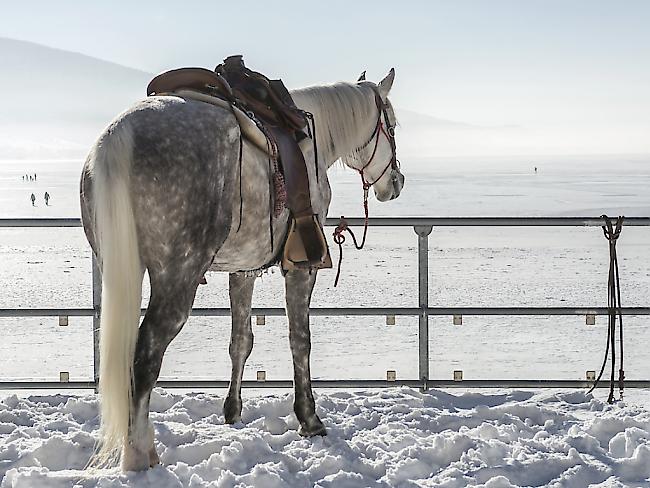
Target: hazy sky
531, 63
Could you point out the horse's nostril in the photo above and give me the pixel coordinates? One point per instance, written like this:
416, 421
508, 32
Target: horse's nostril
398, 184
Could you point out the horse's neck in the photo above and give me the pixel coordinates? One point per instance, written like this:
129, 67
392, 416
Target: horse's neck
344, 115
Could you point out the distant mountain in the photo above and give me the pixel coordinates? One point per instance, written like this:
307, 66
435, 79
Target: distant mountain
61, 86
422, 136
56, 102
410, 118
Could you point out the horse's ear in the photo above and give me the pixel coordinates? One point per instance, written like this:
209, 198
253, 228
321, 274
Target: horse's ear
387, 83
362, 76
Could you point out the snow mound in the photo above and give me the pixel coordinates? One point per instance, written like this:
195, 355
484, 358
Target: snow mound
397, 437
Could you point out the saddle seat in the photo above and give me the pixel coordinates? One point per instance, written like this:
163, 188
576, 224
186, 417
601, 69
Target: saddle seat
281, 113
269, 118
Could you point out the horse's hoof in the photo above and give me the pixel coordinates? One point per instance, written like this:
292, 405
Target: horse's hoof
154, 459
312, 429
232, 410
135, 460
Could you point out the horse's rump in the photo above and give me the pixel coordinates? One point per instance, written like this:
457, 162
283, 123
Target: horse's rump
184, 159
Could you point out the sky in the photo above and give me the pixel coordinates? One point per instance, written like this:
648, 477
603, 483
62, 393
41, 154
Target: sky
554, 66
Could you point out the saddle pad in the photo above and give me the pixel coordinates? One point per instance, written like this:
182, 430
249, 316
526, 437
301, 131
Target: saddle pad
248, 128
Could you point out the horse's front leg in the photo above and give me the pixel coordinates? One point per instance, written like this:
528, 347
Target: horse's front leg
299, 285
241, 340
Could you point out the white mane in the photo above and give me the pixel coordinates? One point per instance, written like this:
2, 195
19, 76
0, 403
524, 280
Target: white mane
345, 116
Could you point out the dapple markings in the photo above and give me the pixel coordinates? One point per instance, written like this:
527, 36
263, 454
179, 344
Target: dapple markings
160, 192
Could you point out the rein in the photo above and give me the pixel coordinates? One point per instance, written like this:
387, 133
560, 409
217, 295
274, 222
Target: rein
338, 235
612, 234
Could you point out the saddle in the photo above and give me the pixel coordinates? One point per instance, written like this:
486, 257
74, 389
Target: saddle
269, 104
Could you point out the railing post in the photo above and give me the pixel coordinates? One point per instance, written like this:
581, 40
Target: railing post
423, 232
97, 306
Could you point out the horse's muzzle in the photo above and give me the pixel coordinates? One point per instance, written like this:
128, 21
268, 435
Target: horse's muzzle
398, 184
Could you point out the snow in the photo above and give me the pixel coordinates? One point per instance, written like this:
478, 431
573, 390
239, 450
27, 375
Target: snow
397, 437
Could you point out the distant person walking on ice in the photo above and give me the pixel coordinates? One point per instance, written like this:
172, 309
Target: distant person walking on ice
33, 198
47, 198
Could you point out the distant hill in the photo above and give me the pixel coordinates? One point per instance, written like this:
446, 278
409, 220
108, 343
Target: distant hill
56, 102
421, 136
62, 86
410, 118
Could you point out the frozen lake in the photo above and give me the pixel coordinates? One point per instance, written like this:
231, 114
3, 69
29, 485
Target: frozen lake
468, 267
388, 437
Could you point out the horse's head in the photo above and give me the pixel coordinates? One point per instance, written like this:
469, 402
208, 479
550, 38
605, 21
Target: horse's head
376, 159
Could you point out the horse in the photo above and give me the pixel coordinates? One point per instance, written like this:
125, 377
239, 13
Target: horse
171, 188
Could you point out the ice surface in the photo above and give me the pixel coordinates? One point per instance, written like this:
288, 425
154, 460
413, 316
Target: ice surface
390, 438
468, 267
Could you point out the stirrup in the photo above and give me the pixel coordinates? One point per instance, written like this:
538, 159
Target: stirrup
306, 247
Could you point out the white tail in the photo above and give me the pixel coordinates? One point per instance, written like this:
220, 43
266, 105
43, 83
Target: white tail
117, 241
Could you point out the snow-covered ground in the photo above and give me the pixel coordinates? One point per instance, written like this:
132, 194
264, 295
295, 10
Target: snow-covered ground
377, 438
386, 438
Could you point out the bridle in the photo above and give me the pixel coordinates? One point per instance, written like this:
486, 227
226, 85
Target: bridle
389, 132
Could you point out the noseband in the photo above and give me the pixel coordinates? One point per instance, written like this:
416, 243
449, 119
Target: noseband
389, 132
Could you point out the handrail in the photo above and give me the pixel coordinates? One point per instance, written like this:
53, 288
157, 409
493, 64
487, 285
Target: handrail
394, 222
349, 311
422, 227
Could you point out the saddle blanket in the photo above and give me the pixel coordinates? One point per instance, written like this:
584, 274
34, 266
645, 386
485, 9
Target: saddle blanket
249, 129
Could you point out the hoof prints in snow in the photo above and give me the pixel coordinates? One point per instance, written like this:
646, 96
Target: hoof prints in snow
387, 438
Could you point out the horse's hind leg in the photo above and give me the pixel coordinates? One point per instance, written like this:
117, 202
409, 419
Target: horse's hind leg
299, 285
169, 306
241, 340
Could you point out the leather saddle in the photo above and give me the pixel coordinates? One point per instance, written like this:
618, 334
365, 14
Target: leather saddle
284, 125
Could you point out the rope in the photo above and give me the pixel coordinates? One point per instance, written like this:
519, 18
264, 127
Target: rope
339, 236
612, 233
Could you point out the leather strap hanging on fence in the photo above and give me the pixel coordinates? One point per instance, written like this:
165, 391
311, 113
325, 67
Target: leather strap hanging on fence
612, 233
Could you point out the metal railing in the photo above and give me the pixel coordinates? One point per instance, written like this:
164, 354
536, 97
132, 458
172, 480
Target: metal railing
423, 227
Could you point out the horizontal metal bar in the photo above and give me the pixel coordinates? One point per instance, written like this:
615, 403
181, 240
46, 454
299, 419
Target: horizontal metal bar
413, 383
400, 222
46, 312
47, 385
316, 312
530, 384
349, 311
65, 222
289, 383
505, 311
488, 221
281, 384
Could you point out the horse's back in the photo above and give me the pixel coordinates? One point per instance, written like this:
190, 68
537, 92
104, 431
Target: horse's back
183, 164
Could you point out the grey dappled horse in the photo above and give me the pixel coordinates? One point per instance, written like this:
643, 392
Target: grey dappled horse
161, 191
